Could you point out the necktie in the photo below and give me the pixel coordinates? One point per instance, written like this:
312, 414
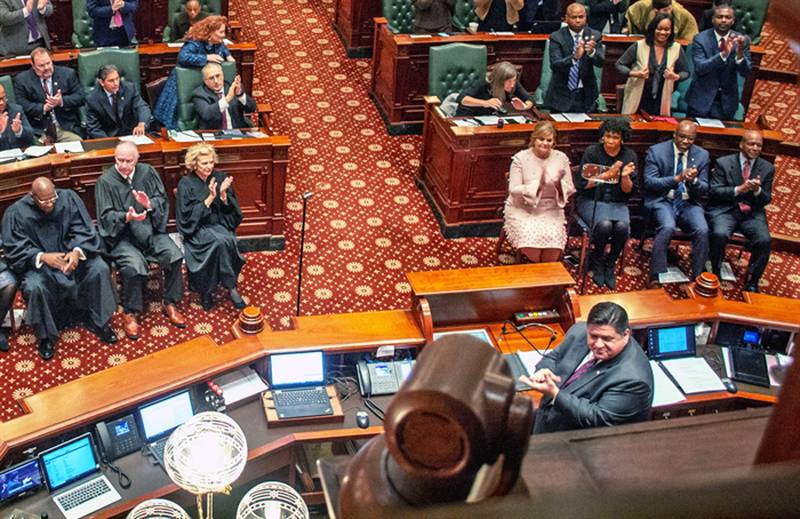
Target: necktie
224, 113
572, 82
33, 27
115, 106
581, 371
723, 45
117, 19
678, 201
745, 207
51, 131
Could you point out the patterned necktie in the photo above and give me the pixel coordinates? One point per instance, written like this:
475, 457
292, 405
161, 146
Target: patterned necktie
572, 82
117, 18
33, 27
224, 113
680, 189
723, 44
745, 207
581, 371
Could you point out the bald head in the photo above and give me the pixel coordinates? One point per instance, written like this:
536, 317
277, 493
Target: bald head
44, 194
126, 155
575, 16
685, 135
751, 143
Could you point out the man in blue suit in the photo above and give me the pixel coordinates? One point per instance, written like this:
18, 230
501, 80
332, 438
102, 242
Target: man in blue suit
675, 178
719, 56
112, 22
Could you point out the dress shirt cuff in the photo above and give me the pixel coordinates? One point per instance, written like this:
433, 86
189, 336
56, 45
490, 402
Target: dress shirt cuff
739, 60
695, 180
81, 255
591, 54
757, 192
25, 12
242, 98
223, 104
38, 262
41, 11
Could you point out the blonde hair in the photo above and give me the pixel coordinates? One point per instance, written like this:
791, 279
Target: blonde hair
201, 149
502, 72
543, 128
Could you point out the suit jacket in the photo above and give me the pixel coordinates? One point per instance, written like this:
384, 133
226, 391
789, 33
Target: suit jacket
14, 29
561, 51
601, 11
206, 105
101, 120
659, 173
7, 139
611, 393
100, 11
727, 175
30, 94
712, 74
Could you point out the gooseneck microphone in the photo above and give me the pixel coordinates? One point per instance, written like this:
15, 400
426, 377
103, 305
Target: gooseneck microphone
305, 196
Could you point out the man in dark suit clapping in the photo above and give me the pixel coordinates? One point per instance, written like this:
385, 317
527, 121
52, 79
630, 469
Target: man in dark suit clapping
15, 131
22, 25
220, 105
741, 186
115, 108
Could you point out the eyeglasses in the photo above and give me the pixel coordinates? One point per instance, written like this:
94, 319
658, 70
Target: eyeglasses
48, 201
3, 98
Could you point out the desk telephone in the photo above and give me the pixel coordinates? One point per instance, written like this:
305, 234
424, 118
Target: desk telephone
382, 378
118, 437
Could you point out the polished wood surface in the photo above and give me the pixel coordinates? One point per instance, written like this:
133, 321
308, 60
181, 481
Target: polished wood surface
353, 23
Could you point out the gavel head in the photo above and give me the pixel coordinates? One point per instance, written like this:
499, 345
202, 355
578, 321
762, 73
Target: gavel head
456, 412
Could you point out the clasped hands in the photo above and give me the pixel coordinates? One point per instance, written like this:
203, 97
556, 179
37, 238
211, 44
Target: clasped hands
223, 190
143, 200
53, 101
40, 5
587, 48
734, 40
544, 381
645, 73
750, 185
617, 170
66, 262
235, 89
116, 5
687, 175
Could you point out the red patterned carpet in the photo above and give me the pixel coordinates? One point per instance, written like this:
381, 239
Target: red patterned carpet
367, 222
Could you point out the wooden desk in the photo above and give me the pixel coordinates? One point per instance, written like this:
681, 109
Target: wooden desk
353, 23
400, 69
463, 169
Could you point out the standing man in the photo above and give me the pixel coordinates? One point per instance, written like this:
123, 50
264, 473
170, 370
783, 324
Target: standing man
50, 96
641, 13
51, 243
112, 22
598, 376
220, 105
15, 131
115, 108
675, 179
741, 186
574, 52
720, 57
23, 27
607, 16
132, 213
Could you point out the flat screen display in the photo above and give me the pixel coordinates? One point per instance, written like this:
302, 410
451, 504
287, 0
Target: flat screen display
298, 369
163, 416
68, 462
19, 479
671, 342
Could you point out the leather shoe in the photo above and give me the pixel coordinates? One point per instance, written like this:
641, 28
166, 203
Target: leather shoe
174, 316
46, 349
207, 300
611, 276
653, 283
130, 326
236, 299
751, 287
105, 334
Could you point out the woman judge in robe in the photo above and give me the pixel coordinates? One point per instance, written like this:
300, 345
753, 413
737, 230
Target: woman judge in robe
208, 215
653, 66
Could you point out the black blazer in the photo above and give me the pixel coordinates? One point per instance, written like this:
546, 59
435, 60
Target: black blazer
727, 175
7, 139
30, 94
601, 11
206, 105
561, 50
131, 110
611, 393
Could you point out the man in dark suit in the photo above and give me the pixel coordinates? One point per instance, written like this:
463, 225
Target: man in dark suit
23, 26
675, 179
50, 96
221, 105
115, 108
719, 56
15, 131
539, 11
599, 375
574, 52
741, 185
607, 16
113, 22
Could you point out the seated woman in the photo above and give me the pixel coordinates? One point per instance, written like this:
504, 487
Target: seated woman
204, 43
606, 204
191, 14
433, 16
652, 66
207, 215
485, 96
498, 15
539, 185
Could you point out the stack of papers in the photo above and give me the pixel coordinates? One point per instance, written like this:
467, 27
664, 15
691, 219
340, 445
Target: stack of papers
185, 136
37, 151
711, 123
137, 139
69, 147
529, 359
240, 385
12, 154
693, 375
577, 118
672, 275
664, 391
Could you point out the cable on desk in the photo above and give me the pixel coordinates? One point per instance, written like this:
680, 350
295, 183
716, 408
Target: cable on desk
520, 329
375, 408
122, 478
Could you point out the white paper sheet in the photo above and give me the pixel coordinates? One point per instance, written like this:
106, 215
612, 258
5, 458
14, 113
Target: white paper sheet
137, 139
576, 118
37, 151
711, 123
487, 120
693, 375
664, 390
559, 118
240, 384
529, 359
185, 136
71, 147
672, 275
12, 154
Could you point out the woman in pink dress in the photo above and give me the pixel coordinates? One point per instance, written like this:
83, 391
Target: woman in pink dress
539, 185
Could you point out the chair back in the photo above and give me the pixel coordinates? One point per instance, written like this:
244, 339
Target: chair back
126, 60
81, 25
453, 67
8, 84
464, 14
546, 74
750, 16
188, 80
175, 7
400, 15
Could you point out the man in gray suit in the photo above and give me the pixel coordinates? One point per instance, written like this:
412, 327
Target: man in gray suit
23, 26
599, 375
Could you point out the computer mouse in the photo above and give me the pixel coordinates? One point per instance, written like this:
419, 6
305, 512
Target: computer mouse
730, 385
362, 419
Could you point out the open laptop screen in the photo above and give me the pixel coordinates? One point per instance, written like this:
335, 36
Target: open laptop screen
161, 417
69, 462
19, 479
671, 342
297, 369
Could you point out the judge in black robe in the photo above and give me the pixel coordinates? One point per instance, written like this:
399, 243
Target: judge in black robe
207, 216
132, 212
51, 243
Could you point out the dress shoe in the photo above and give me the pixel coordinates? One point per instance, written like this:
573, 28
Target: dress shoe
3, 341
653, 283
131, 326
174, 316
611, 276
207, 300
46, 349
236, 299
105, 334
751, 287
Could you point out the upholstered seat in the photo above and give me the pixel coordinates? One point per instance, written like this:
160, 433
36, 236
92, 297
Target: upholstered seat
81, 25
453, 67
126, 60
400, 15
8, 84
175, 7
750, 16
188, 80
464, 14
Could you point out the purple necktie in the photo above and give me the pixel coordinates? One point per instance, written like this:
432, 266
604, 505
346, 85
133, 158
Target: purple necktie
32, 26
581, 371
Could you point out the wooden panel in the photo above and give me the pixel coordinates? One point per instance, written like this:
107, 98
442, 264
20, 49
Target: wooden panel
353, 21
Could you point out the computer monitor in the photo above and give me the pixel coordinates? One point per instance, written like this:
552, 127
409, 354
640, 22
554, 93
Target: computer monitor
670, 342
297, 369
69, 462
20, 479
158, 419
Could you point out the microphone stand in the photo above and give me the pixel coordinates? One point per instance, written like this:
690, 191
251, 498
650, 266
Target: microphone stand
305, 196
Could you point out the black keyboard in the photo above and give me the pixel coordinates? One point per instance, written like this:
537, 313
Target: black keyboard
297, 397
157, 450
82, 494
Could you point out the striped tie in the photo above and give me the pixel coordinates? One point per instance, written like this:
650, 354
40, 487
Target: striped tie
581, 371
572, 82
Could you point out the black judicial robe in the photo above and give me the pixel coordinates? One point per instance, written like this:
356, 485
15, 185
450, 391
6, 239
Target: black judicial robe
209, 233
49, 293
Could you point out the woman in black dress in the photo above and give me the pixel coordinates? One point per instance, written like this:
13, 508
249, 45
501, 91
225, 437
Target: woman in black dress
608, 202
486, 96
208, 215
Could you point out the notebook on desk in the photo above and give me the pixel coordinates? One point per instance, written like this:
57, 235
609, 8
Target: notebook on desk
297, 382
674, 349
73, 470
158, 419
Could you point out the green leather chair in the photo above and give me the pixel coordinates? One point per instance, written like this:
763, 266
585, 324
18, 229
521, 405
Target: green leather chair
544, 82
126, 60
400, 15
188, 80
454, 66
464, 14
750, 16
8, 84
81, 25
175, 7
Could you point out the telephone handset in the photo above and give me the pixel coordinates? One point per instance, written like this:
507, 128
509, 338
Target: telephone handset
118, 437
382, 378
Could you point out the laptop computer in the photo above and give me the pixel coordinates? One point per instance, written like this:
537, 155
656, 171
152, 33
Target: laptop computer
297, 382
72, 473
671, 342
158, 419
21, 479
